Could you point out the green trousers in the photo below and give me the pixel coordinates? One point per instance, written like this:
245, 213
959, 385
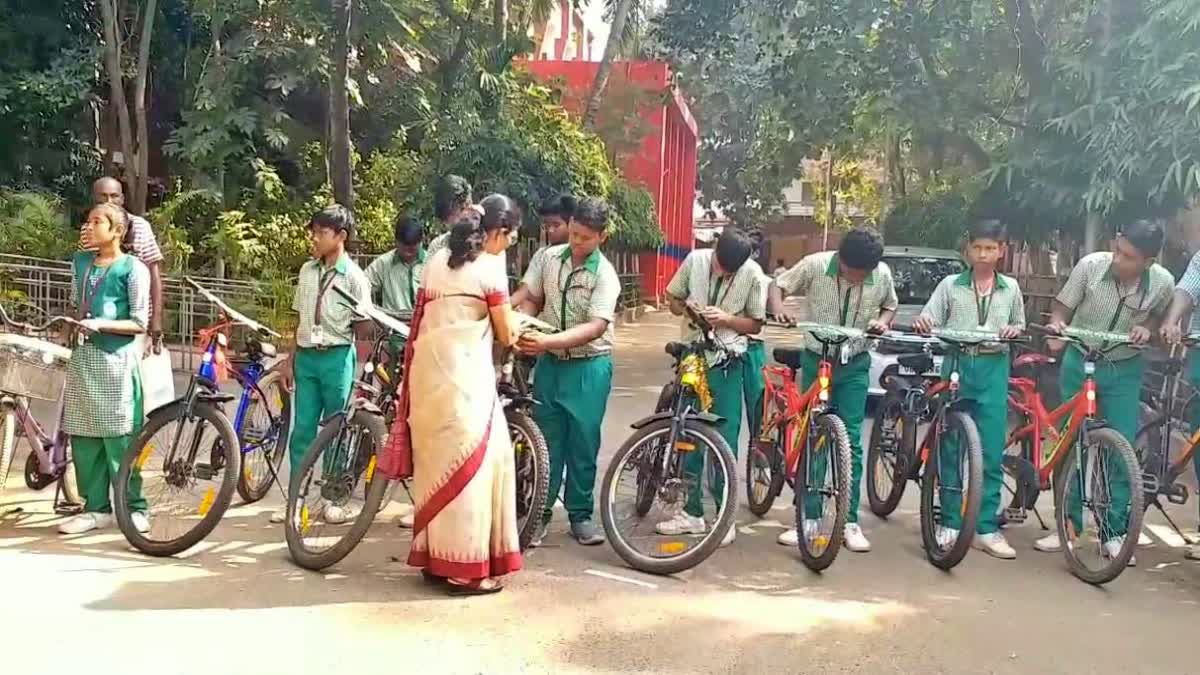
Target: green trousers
98, 460
983, 381
1118, 393
1193, 411
726, 387
849, 399
752, 385
323, 381
572, 396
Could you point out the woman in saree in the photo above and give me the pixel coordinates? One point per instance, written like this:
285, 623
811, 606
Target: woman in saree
465, 526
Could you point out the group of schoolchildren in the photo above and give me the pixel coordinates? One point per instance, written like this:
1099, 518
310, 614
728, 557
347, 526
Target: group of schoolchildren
571, 285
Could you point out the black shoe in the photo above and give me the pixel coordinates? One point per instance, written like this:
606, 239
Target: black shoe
586, 533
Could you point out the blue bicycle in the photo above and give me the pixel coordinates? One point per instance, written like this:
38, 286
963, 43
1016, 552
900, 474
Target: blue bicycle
178, 476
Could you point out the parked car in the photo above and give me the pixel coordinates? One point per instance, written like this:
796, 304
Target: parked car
917, 272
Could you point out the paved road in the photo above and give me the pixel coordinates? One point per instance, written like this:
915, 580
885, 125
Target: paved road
236, 605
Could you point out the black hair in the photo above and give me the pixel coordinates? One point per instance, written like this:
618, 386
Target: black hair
1146, 236
734, 248
563, 206
336, 217
408, 230
452, 194
987, 229
592, 213
472, 229
861, 249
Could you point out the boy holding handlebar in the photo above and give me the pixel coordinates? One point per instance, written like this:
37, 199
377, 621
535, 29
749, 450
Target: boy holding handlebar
980, 299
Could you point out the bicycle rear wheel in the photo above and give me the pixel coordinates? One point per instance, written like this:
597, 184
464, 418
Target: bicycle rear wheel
823, 492
532, 472
889, 457
186, 468
264, 437
635, 479
8, 443
765, 472
1092, 520
334, 497
953, 480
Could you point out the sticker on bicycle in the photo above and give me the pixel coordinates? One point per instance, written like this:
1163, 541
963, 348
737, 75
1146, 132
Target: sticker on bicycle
304, 522
672, 547
206, 503
371, 469
144, 456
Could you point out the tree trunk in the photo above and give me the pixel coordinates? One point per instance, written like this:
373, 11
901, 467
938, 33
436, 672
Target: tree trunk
339, 106
500, 21
606, 63
116, 86
830, 201
134, 136
140, 188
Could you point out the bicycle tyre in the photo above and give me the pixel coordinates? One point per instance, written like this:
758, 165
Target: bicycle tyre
161, 417
8, 443
694, 556
883, 504
519, 422
249, 491
946, 560
1113, 439
778, 472
1146, 447
375, 491
835, 428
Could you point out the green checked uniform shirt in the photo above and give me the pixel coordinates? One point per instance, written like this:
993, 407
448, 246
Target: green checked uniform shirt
740, 295
394, 282
439, 242
335, 316
1102, 303
1190, 284
833, 300
575, 295
955, 305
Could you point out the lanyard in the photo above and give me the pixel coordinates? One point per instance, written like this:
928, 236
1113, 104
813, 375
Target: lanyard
846, 302
88, 297
326, 281
566, 286
412, 296
983, 304
1121, 302
716, 290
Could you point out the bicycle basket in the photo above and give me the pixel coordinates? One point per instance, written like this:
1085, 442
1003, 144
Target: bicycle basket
32, 368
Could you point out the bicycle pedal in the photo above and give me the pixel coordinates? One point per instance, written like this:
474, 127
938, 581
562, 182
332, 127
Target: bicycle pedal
1015, 516
1177, 494
205, 472
1150, 483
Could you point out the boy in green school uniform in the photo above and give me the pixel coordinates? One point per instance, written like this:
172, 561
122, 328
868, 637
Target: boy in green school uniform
323, 364
451, 195
575, 290
556, 216
725, 287
395, 276
849, 287
1124, 291
985, 300
756, 357
1187, 295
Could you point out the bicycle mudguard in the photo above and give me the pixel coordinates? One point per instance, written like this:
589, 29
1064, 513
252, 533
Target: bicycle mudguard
708, 419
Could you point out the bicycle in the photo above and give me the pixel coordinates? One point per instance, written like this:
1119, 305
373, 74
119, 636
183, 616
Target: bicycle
36, 369
661, 459
530, 450
893, 458
1070, 449
792, 444
207, 465
1160, 475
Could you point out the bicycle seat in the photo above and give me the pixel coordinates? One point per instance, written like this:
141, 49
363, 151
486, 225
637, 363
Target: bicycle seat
789, 357
918, 363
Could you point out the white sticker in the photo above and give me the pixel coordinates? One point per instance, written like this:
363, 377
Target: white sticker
109, 310
317, 336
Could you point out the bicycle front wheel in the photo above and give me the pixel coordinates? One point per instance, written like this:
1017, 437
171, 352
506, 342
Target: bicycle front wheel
264, 437
532, 472
889, 457
765, 472
1099, 506
179, 474
649, 486
334, 497
951, 492
823, 492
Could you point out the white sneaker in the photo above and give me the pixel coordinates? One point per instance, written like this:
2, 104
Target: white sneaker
338, 515
279, 516
86, 522
682, 524
945, 537
1144, 541
995, 545
141, 521
789, 537
1048, 544
1193, 552
1112, 548
854, 539
729, 536
406, 520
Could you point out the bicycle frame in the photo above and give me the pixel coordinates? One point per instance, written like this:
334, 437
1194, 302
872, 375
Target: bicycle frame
796, 408
49, 448
1080, 409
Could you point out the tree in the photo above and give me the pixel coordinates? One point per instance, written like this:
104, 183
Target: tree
340, 168
611, 48
134, 137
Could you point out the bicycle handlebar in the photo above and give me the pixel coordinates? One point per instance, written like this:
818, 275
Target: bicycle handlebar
234, 315
34, 328
370, 311
953, 336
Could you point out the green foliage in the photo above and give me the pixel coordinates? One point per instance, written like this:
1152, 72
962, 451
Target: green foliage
633, 225
35, 224
936, 216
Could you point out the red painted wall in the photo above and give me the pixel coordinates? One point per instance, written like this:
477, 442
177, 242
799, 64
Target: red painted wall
665, 163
